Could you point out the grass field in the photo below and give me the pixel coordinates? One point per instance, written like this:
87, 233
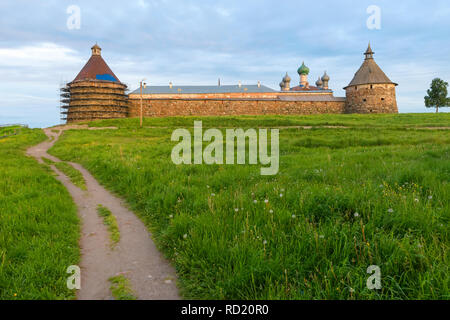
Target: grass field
38, 223
373, 193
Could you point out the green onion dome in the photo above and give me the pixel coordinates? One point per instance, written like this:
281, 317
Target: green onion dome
303, 70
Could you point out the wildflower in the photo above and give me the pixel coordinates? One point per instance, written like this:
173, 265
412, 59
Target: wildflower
207, 186
281, 195
265, 242
430, 197
390, 210
171, 216
356, 214
266, 201
236, 209
321, 236
255, 201
15, 294
294, 216
179, 200
271, 211
351, 290
282, 190
213, 194
185, 236
416, 200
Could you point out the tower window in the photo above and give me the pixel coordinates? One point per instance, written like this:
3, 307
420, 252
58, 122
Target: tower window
382, 99
364, 100
371, 86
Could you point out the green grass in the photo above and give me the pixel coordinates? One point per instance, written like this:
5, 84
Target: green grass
354, 120
48, 161
308, 243
121, 288
74, 175
110, 221
39, 227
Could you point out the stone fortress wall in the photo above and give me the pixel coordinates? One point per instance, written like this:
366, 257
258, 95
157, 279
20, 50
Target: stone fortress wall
161, 107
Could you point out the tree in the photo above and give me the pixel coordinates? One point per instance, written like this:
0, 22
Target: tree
437, 95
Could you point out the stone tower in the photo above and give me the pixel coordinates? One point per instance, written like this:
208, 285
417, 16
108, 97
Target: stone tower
370, 91
95, 93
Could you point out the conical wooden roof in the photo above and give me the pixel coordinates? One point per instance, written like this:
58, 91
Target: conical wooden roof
369, 72
96, 68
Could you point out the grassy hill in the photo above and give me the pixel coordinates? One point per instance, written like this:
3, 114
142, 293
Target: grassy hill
353, 191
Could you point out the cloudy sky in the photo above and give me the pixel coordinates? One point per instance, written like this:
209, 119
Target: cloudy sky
198, 41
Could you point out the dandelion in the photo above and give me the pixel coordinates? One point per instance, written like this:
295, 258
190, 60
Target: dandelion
207, 186
266, 201
171, 216
321, 236
430, 197
265, 242
271, 211
281, 195
15, 294
236, 209
185, 236
390, 210
213, 194
356, 214
351, 290
416, 200
255, 201
294, 216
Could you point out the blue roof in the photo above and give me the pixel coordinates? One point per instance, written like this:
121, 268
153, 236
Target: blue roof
106, 76
203, 89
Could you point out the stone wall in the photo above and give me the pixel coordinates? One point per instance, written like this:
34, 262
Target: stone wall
376, 98
220, 107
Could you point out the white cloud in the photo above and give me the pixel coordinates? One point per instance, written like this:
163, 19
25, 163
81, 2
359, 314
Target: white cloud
39, 55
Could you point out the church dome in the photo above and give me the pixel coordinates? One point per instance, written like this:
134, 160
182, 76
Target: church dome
319, 82
303, 70
286, 78
325, 77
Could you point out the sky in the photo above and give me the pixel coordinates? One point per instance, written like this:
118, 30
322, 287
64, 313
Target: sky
187, 42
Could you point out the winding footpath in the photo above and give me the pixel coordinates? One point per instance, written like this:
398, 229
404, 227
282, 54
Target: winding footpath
135, 256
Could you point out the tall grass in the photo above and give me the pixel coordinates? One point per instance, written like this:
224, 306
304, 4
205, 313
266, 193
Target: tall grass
344, 199
38, 225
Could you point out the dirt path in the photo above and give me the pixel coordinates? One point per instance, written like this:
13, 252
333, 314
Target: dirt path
135, 256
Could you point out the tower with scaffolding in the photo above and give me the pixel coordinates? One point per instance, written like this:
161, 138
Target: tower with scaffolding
96, 93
